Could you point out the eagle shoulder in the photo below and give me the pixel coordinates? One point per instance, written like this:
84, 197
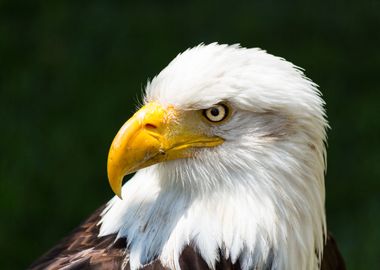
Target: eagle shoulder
332, 259
83, 249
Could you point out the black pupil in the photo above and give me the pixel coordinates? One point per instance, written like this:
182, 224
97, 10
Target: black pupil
214, 111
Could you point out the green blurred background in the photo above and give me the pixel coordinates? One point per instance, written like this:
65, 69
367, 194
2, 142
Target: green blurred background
72, 73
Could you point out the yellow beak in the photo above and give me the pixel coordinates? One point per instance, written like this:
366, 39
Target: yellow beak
154, 134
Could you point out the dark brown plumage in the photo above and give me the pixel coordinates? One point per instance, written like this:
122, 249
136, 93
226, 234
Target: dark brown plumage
83, 249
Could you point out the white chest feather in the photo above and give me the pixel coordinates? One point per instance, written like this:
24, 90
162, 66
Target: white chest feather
244, 223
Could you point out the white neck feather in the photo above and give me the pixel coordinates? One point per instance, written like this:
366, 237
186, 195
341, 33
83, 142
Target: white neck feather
265, 209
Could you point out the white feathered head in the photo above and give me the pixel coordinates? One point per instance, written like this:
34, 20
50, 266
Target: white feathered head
240, 125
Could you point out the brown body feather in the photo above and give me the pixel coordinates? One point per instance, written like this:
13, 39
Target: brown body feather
83, 249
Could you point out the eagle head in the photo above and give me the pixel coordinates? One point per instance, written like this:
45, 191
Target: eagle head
230, 153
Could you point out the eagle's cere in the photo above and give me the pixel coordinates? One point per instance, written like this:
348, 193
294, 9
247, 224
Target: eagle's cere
229, 155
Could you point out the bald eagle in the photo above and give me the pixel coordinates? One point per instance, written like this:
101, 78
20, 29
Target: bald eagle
229, 154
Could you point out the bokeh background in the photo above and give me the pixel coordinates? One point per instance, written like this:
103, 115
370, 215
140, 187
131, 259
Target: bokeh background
72, 73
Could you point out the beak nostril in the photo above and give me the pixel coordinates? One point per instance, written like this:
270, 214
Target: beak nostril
150, 126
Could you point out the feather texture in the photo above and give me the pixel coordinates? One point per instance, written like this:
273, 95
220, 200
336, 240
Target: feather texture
83, 249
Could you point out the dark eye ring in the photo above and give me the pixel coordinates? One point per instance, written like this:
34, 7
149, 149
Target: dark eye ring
216, 113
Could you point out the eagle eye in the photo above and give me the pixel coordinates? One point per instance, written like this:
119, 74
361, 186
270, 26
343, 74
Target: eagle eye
216, 113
